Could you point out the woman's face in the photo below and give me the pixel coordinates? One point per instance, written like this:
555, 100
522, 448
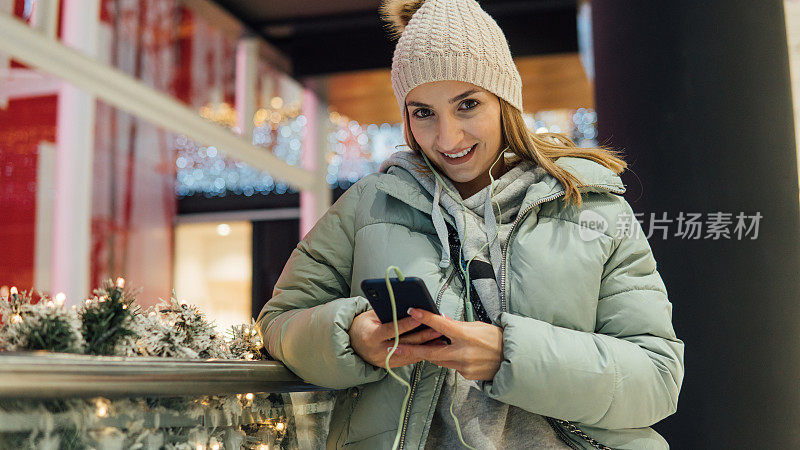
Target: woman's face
449, 118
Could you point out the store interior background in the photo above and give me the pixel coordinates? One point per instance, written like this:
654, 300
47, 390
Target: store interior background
699, 96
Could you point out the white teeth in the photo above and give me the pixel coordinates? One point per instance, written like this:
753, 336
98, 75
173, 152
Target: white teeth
458, 155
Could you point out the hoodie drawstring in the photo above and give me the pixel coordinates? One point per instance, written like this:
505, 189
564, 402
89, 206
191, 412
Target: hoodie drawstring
440, 226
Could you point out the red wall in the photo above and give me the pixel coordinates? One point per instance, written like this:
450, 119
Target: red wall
23, 125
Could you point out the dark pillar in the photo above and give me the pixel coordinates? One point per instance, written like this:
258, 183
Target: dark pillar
697, 93
273, 242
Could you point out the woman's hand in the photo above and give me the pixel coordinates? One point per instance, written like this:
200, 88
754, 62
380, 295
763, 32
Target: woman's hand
372, 339
476, 350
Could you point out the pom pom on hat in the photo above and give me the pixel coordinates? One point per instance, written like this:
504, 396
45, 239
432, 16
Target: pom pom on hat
397, 13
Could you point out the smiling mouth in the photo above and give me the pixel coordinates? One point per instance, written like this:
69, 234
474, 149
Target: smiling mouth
460, 154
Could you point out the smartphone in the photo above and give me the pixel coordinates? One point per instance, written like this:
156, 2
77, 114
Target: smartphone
409, 293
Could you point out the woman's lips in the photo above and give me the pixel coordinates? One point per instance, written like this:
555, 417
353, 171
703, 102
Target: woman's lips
462, 159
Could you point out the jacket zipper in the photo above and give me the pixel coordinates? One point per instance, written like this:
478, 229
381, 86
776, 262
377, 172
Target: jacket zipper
446, 284
406, 413
554, 423
418, 370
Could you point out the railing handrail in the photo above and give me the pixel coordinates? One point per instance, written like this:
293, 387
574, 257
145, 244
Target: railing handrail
61, 375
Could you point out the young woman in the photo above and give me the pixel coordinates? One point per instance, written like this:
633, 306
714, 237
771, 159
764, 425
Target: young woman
572, 345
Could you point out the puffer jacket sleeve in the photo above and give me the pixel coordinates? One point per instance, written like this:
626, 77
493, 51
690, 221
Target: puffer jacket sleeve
305, 323
626, 374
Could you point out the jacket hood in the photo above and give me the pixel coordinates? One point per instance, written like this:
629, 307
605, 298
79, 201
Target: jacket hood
416, 185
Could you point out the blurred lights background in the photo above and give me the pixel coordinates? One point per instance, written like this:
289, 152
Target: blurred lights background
353, 150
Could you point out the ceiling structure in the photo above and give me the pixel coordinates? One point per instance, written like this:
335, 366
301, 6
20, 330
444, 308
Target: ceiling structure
329, 36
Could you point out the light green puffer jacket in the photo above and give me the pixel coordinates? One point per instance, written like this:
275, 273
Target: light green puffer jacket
587, 326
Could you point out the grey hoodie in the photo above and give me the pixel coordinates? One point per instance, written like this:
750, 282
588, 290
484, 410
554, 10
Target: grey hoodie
476, 221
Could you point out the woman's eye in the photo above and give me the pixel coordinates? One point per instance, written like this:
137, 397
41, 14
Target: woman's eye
422, 113
469, 104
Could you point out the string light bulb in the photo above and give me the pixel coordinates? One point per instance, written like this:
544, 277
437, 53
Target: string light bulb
249, 396
16, 318
102, 408
280, 426
120, 282
61, 298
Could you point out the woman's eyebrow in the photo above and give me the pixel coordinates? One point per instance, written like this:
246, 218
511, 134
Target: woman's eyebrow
452, 100
462, 96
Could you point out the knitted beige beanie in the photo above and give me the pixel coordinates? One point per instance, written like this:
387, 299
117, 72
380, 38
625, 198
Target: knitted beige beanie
450, 40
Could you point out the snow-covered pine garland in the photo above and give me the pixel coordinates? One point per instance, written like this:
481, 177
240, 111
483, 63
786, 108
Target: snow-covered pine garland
111, 324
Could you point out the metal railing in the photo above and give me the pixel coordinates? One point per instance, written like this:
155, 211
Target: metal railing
47, 376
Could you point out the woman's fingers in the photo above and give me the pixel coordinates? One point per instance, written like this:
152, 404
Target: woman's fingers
386, 330
446, 326
398, 360
420, 337
433, 351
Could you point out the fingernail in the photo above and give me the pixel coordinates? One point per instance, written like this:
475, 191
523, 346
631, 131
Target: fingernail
413, 312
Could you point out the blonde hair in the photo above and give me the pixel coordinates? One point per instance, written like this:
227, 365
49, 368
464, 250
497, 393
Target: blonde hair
542, 149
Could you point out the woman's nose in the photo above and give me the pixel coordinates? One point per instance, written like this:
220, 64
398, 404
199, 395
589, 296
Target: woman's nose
450, 134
